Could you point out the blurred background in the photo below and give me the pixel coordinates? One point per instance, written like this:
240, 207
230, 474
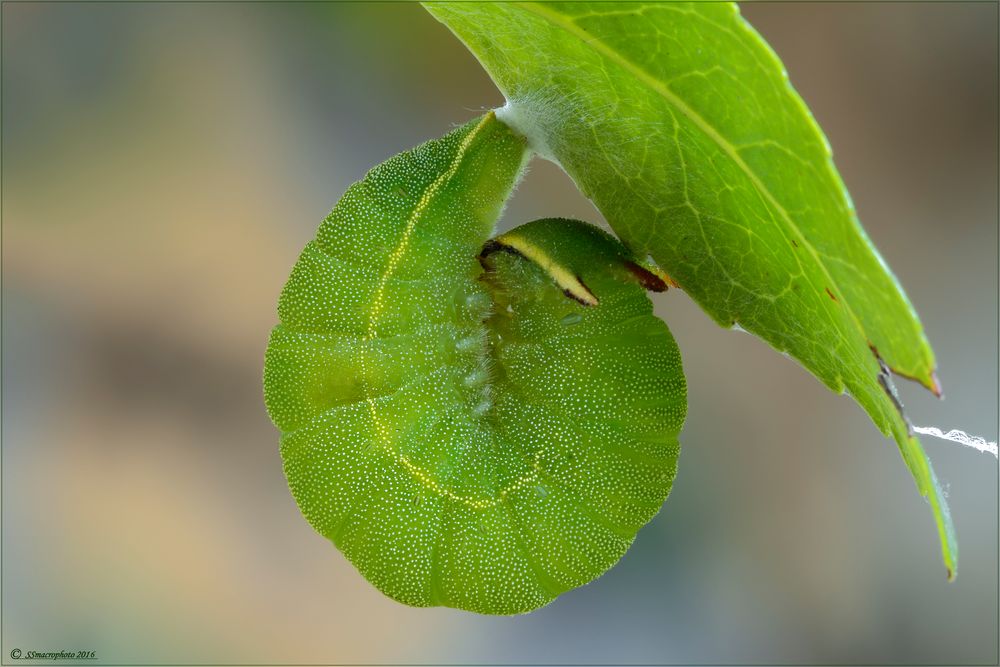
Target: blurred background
164, 164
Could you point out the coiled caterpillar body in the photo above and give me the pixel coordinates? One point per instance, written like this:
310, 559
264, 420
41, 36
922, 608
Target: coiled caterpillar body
465, 433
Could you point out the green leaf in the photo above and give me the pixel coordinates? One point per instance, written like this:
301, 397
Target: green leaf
480, 428
679, 122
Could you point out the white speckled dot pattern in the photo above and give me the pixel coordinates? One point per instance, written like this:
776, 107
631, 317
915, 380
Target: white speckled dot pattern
468, 439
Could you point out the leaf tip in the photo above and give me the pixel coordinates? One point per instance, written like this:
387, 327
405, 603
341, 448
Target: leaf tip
935, 385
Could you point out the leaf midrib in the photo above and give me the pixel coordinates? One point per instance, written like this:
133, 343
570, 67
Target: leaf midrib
601, 47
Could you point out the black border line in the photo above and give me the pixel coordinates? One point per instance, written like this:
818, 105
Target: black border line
25, 661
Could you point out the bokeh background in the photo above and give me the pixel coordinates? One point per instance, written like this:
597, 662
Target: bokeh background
163, 165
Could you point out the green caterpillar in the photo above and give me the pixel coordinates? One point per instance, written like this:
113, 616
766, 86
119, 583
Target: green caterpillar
481, 424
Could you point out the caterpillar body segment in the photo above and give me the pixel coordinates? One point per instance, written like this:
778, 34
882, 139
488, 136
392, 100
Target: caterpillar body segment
472, 428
